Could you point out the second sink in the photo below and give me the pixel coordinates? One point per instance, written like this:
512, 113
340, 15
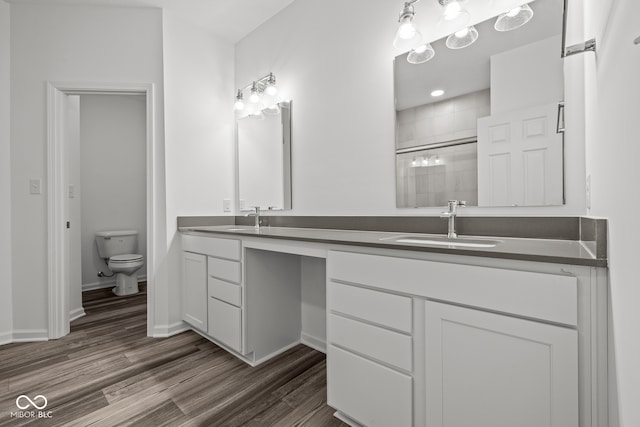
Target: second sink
445, 241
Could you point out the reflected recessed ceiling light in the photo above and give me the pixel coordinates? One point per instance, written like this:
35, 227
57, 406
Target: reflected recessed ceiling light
515, 18
438, 92
421, 54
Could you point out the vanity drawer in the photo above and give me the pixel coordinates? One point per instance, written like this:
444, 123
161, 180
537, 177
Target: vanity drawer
551, 297
213, 246
225, 323
231, 271
393, 311
371, 394
225, 291
378, 343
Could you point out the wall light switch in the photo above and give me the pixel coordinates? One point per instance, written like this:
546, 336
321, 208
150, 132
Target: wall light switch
35, 186
226, 205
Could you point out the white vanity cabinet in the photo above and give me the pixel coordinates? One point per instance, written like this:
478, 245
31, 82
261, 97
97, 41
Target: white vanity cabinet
429, 342
212, 288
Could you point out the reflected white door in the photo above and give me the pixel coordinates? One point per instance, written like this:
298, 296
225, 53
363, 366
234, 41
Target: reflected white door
520, 158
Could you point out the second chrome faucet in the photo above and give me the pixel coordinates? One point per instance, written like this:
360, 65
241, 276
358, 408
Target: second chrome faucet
451, 214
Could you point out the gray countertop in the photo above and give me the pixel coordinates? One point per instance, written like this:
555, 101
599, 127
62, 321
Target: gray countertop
540, 250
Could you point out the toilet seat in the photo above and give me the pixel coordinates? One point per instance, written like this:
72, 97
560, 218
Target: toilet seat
125, 258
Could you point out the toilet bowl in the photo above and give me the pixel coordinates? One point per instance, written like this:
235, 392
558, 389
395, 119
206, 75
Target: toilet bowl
126, 268
117, 248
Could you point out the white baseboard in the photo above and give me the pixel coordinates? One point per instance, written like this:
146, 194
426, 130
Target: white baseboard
164, 331
30, 335
103, 285
6, 338
314, 342
76, 314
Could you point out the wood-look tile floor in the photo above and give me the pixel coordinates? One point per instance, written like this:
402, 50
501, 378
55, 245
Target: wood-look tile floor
107, 372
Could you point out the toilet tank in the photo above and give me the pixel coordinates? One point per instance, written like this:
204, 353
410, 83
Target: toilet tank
118, 242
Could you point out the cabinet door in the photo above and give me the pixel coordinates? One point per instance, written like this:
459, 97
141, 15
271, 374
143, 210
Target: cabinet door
194, 290
489, 370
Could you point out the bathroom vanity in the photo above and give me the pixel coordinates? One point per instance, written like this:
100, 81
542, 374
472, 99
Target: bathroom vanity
516, 333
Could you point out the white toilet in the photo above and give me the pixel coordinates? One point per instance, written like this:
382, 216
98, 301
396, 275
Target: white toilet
119, 247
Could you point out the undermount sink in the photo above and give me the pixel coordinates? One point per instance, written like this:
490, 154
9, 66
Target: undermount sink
462, 242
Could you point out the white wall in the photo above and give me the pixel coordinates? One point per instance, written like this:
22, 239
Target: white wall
113, 175
198, 71
6, 312
341, 83
529, 76
70, 43
613, 153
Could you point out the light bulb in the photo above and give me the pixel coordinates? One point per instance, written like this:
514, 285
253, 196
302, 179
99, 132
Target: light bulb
513, 12
407, 37
437, 160
437, 92
254, 97
425, 161
453, 17
463, 32
414, 163
239, 105
452, 10
271, 90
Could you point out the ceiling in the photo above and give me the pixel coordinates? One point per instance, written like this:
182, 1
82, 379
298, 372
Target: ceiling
229, 19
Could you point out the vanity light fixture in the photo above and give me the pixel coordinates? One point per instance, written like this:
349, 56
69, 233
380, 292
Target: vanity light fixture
407, 37
239, 105
454, 19
436, 93
515, 18
262, 92
462, 38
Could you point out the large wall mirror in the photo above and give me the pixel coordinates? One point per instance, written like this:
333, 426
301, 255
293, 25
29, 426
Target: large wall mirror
264, 159
484, 123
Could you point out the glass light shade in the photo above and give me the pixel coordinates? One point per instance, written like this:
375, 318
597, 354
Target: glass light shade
421, 54
463, 38
271, 89
453, 17
515, 18
239, 105
254, 97
407, 37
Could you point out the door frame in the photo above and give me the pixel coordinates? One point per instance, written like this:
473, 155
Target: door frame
57, 247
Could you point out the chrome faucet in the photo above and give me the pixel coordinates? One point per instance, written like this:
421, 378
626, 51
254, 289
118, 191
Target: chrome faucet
451, 215
256, 214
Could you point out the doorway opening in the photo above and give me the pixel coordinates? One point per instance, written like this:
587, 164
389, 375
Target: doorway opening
63, 245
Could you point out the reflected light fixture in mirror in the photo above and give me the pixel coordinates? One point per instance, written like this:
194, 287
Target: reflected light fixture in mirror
454, 20
463, 38
263, 94
421, 54
454, 16
407, 37
515, 18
